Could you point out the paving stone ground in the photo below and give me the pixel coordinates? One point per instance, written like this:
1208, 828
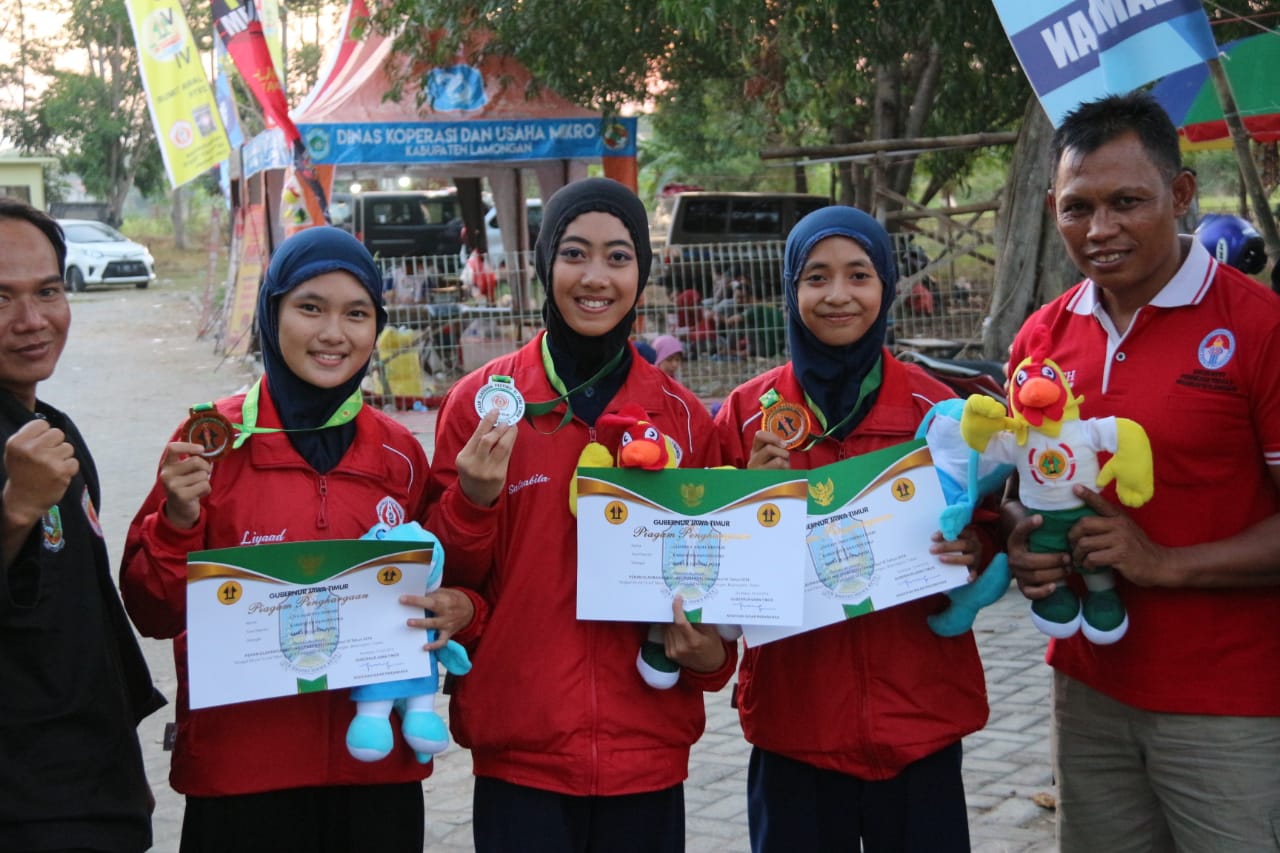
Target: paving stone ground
133, 367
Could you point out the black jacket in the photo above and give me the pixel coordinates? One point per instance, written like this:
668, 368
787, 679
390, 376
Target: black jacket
73, 682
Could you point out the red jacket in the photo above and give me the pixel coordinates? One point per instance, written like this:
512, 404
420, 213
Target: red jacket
553, 702
875, 693
265, 489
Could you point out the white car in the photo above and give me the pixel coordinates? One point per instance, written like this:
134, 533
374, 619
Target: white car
497, 255
99, 254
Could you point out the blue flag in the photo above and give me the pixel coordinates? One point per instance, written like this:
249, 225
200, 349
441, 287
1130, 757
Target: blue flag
1079, 50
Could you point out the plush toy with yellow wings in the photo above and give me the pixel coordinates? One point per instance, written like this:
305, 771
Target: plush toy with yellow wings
1054, 449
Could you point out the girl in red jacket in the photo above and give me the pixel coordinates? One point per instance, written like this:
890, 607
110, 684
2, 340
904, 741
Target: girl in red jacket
571, 749
275, 775
855, 727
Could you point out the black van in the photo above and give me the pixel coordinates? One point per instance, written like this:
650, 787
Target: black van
708, 234
412, 223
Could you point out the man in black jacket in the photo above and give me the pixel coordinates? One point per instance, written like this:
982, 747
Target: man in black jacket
73, 682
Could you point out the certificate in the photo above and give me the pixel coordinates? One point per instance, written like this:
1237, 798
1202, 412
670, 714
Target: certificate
298, 617
724, 540
866, 541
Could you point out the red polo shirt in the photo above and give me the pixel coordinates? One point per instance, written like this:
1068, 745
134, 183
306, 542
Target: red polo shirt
1199, 369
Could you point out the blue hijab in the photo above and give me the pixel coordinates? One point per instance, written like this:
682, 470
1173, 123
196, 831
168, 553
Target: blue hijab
832, 376
301, 405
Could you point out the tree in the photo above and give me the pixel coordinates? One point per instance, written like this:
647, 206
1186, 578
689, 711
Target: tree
95, 120
807, 71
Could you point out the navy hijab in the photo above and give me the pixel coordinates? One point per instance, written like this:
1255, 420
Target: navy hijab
301, 405
578, 357
832, 376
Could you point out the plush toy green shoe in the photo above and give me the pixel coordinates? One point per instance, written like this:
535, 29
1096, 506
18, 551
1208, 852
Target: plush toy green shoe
1058, 615
1105, 619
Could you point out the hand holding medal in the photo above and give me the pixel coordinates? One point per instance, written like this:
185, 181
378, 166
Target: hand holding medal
482, 462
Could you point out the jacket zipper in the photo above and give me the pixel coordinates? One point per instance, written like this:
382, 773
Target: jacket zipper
322, 519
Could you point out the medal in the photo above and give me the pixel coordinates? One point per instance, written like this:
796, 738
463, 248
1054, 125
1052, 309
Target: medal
500, 393
788, 421
209, 429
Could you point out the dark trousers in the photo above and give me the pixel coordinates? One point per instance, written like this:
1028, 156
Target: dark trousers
793, 806
511, 818
334, 819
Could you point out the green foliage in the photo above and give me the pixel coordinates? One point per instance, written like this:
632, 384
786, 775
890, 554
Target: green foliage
728, 78
95, 120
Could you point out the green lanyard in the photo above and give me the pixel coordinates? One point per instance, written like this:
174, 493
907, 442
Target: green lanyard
249, 413
870, 382
548, 364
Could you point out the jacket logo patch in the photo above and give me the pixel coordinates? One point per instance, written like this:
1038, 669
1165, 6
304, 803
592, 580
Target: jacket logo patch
86, 504
51, 526
390, 512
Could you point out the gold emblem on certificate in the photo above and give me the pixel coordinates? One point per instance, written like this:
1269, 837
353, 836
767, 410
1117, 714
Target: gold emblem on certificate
500, 393
209, 429
788, 421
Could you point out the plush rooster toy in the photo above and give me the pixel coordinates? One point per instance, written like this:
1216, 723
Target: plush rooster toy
642, 445
1054, 450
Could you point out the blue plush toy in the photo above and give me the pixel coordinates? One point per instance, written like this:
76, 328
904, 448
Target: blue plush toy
369, 737
966, 478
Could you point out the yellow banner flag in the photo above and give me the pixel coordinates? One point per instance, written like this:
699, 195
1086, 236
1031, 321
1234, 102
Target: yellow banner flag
183, 111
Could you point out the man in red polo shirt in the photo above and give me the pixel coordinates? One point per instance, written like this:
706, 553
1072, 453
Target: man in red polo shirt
1170, 738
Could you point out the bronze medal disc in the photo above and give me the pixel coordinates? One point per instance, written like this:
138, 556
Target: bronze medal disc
788, 422
210, 430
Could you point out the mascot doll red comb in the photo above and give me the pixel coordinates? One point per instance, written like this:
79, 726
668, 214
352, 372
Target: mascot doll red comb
1054, 450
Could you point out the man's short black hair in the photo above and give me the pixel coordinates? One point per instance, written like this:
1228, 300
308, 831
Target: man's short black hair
16, 208
1091, 125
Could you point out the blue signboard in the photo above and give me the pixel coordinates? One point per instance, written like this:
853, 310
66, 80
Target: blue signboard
474, 141
265, 151
1079, 50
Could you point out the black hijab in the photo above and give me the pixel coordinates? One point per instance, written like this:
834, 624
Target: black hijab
578, 357
301, 405
832, 376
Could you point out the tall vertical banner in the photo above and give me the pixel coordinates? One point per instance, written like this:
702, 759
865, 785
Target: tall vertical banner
183, 113
237, 23
273, 34
1074, 51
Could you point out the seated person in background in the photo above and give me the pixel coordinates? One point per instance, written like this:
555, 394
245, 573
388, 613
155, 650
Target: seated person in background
695, 322
668, 354
756, 329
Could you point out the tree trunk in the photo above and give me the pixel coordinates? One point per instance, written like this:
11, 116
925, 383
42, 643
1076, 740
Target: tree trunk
1032, 266
178, 216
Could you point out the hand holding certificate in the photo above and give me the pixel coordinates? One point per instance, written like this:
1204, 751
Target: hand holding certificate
296, 617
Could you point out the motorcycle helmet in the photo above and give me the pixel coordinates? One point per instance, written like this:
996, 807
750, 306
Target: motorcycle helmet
1233, 241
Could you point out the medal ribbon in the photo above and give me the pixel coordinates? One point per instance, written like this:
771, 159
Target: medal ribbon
249, 412
531, 410
869, 383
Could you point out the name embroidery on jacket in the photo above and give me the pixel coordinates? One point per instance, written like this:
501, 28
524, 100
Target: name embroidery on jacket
528, 481
252, 538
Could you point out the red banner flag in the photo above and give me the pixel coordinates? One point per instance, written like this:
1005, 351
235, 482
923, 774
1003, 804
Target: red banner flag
238, 24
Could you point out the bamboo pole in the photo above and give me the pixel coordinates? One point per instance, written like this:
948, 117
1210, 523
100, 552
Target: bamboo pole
874, 146
1248, 169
